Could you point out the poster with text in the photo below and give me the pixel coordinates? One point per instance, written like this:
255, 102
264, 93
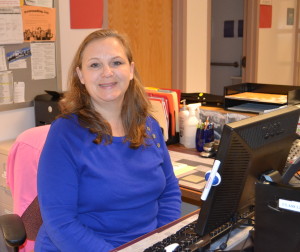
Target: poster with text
39, 23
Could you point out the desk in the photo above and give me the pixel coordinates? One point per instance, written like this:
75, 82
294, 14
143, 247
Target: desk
194, 167
191, 194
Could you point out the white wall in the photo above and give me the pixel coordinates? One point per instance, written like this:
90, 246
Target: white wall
197, 51
276, 47
69, 38
13, 122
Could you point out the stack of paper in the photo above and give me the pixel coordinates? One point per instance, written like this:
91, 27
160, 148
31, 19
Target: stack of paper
165, 109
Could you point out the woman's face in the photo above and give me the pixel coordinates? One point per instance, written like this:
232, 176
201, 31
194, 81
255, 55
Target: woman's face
105, 71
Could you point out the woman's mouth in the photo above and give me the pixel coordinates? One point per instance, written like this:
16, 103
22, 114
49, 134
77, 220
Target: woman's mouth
107, 84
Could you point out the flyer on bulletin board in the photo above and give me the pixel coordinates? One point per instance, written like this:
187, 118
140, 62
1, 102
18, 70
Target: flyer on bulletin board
11, 29
39, 23
6, 87
7, 3
42, 3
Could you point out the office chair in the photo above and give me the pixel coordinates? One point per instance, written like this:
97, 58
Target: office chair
22, 165
13, 231
17, 229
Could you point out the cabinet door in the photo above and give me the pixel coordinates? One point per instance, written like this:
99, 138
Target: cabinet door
3, 159
6, 201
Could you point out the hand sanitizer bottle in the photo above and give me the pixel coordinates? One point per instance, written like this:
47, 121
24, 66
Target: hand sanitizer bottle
183, 116
190, 127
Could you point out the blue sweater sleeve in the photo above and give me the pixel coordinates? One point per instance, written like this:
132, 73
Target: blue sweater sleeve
170, 199
57, 175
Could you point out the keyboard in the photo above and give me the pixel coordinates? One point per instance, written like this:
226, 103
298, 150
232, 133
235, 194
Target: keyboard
182, 232
186, 238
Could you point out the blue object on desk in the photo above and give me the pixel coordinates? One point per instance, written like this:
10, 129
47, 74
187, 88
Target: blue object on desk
204, 136
217, 178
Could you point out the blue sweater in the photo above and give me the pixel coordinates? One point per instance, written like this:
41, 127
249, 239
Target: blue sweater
98, 197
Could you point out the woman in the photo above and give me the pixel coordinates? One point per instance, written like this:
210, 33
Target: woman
105, 175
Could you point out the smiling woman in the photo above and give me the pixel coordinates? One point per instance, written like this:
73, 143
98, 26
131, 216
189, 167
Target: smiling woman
92, 188
106, 72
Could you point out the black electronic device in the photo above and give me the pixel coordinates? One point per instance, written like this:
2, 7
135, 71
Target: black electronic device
257, 105
205, 99
277, 218
292, 165
46, 107
248, 149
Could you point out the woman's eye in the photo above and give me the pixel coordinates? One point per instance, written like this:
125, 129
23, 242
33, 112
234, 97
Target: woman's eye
95, 65
117, 63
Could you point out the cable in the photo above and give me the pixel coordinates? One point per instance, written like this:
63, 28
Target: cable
223, 245
249, 236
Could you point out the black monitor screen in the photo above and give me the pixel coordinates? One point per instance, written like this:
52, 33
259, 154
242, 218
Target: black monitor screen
248, 149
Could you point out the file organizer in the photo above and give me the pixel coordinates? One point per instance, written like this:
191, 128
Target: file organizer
238, 97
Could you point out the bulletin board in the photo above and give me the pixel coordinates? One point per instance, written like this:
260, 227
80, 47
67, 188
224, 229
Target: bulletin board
34, 86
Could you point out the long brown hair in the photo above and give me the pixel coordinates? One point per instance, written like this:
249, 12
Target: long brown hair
135, 108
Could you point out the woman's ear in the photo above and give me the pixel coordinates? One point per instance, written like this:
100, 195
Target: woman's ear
131, 70
80, 75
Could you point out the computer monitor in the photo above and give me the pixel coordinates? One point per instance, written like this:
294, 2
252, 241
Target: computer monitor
248, 149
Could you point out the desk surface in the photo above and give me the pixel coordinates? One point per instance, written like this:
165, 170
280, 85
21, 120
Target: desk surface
190, 169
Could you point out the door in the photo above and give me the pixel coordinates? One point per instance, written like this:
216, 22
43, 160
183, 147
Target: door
148, 24
227, 33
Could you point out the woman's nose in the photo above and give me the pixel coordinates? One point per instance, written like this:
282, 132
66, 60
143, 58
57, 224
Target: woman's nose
107, 71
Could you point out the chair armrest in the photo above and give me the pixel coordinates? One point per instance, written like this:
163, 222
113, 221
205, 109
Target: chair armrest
13, 229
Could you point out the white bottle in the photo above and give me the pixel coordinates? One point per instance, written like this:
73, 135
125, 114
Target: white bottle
190, 127
183, 116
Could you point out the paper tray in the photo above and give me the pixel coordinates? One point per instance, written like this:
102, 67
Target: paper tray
240, 97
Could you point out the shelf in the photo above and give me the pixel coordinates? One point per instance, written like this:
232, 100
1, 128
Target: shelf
6, 107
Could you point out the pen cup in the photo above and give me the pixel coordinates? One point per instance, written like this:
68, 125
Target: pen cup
203, 136
210, 135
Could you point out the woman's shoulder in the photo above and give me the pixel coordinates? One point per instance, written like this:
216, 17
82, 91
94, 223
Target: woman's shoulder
153, 125
66, 119
68, 125
68, 131
152, 122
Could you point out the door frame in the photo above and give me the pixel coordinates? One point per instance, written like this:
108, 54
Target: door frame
296, 79
179, 37
250, 40
179, 42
